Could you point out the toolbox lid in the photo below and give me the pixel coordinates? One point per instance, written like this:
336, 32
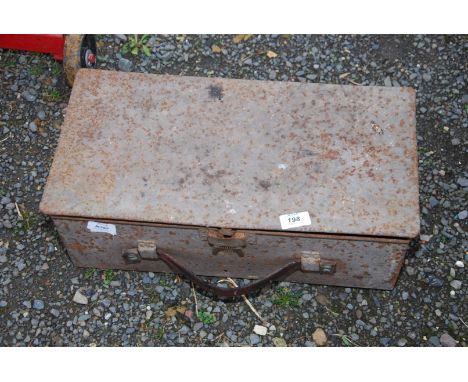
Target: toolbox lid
237, 154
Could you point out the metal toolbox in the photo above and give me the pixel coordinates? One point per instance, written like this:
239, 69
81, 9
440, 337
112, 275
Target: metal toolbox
263, 180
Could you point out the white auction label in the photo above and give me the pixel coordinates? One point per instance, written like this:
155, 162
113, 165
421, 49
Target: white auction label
102, 227
297, 219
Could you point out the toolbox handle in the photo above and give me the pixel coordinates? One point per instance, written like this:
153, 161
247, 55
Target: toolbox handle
228, 292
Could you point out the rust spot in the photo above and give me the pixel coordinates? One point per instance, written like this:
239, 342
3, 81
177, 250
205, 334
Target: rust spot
216, 92
265, 184
331, 154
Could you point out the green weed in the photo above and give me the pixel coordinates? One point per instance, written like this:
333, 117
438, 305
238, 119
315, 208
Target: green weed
37, 70
284, 298
135, 44
108, 277
89, 273
206, 317
158, 333
53, 95
56, 69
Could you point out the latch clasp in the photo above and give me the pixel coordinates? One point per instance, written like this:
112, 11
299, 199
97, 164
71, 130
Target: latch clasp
227, 240
311, 262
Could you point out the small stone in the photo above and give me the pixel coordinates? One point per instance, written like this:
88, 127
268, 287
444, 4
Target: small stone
433, 201
260, 330
38, 304
27, 304
319, 337
410, 271
30, 95
425, 238
426, 77
463, 182
125, 65
33, 127
54, 312
107, 316
463, 215
459, 264
387, 81
456, 284
434, 341
121, 37
384, 341
85, 334
79, 298
434, 281
41, 115
447, 340
279, 342
405, 295
254, 339
272, 75
197, 326
402, 342
455, 141
3, 303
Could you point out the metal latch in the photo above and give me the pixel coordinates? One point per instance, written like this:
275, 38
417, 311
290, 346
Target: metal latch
146, 250
311, 262
227, 240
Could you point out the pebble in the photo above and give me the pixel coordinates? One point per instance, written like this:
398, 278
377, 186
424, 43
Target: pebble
319, 337
254, 339
38, 304
433, 202
125, 65
385, 341
447, 340
54, 312
459, 264
32, 127
30, 95
197, 326
456, 284
279, 342
402, 342
462, 182
463, 215
260, 330
79, 298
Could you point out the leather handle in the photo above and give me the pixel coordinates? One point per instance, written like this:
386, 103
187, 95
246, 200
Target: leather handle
228, 292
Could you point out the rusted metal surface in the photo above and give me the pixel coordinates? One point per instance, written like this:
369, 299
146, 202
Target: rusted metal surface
357, 263
237, 154
71, 57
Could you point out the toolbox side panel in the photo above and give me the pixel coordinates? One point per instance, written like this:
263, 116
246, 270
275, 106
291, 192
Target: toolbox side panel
359, 263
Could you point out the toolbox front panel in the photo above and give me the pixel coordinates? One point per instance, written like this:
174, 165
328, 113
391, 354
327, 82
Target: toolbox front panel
359, 262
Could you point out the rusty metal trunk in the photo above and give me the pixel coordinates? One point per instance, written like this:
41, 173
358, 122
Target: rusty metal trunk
238, 178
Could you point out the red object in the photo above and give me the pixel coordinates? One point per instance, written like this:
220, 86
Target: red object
91, 58
44, 43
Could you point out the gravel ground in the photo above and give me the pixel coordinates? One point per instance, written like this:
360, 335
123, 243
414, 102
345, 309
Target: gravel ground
46, 301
